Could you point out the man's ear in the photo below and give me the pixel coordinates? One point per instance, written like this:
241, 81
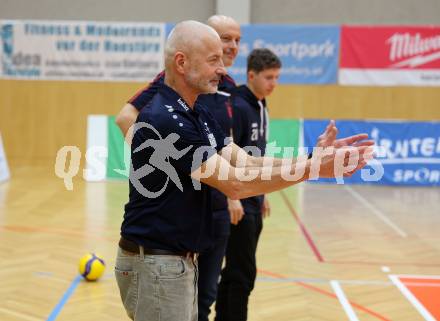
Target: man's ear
180, 60
250, 75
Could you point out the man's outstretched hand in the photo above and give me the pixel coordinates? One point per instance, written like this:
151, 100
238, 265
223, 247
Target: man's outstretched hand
343, 156
328, 138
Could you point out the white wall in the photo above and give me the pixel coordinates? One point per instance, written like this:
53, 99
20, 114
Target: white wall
108, 10
261, 11
420, 12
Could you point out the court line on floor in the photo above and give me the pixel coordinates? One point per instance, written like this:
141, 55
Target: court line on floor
418, 264
326, 293
324, 281
53, 315
343, 300
376, 211
304, 231
346, 282
411, 298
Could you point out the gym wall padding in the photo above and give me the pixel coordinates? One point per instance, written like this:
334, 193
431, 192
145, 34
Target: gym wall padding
37, 118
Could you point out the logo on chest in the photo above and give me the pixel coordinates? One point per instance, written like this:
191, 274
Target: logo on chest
183, 104
254, 132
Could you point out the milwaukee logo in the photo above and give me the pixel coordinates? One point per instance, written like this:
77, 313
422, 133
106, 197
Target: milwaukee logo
413, 46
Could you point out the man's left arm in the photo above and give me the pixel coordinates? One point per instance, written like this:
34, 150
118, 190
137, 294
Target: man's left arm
239, 158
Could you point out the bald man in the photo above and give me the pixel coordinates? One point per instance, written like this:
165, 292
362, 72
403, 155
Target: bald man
166, 224
160, 236
224, 211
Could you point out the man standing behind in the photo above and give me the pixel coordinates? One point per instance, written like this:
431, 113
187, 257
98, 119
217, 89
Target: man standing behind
224, 211
250, 129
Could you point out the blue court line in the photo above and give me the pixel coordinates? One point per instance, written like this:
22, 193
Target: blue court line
53, 315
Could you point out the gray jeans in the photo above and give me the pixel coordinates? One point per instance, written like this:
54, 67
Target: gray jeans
157, 287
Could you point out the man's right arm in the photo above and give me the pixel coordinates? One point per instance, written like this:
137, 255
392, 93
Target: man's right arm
235, 182
238, 183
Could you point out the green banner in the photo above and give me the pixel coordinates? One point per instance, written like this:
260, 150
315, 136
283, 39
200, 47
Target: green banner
116, 142
284, 133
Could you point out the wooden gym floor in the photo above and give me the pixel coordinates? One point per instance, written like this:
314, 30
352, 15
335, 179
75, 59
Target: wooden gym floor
326, 253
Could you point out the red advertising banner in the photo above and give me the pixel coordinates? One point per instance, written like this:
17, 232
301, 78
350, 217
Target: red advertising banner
390, 56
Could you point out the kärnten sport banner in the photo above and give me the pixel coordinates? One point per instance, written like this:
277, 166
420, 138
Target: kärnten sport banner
407, 153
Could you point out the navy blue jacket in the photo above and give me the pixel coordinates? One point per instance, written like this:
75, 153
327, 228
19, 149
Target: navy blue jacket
250, 125
219, 105
179, 217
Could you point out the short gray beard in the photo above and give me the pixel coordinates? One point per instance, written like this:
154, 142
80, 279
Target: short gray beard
195, 82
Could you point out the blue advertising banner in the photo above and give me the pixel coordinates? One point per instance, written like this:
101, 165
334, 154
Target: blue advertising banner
309, 54
408, 153
168, 28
